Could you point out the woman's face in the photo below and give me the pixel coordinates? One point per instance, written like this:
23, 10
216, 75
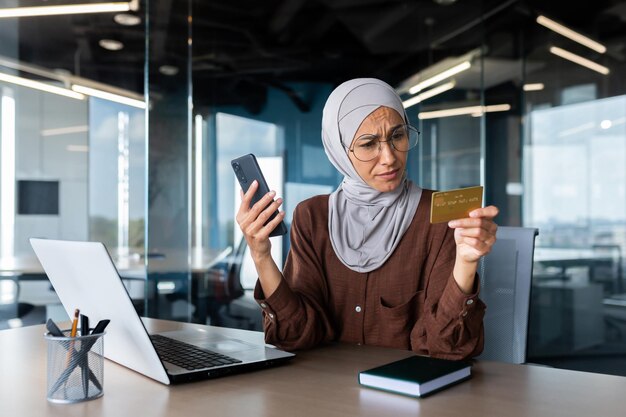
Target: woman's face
386, 171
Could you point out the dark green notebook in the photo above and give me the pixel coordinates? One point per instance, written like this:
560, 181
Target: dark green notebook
416, 375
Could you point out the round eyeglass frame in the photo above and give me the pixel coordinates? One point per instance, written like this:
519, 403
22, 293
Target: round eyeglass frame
380, 142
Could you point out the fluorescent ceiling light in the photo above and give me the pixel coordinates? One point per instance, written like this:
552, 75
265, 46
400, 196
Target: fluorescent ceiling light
491, 109
428, 94
25, 82
127, 19
569, 33
109, 96
434, 71
577, 59
575, 130
463, 66
168, 70
64, 130
460, 111
77, 148
68, 9
533, 87
111, 44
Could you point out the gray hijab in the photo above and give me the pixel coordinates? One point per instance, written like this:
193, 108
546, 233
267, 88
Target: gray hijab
365, 225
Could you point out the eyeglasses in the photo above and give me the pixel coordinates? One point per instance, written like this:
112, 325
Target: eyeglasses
367, 147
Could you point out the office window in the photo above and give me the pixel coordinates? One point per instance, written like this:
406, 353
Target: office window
237, 136
117, 177
575, 178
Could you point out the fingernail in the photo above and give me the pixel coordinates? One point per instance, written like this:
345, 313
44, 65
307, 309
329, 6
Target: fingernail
452, 223
272, 193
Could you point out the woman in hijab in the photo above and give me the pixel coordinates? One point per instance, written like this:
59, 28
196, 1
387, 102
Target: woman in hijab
365, 265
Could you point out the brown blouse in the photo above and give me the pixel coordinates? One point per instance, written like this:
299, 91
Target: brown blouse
411, 302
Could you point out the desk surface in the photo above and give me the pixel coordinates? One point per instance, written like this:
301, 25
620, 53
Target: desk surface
320, 382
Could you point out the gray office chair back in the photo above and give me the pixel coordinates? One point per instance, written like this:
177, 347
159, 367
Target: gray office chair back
505, 282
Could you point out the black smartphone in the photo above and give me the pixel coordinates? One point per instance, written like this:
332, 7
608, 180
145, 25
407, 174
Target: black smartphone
247, 170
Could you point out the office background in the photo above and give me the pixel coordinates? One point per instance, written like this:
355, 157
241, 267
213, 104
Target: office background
120, 127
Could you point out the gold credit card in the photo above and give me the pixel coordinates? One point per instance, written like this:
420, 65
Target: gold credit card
455, 204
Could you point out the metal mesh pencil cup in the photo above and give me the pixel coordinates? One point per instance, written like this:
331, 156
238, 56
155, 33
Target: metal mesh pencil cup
75, 367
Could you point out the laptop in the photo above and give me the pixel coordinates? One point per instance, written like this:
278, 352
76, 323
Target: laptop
84, 277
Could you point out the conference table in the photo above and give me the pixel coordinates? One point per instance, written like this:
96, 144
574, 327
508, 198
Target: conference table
162, 270
317, 382
571, 257
129, 263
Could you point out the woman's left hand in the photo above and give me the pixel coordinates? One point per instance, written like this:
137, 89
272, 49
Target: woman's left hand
475, 235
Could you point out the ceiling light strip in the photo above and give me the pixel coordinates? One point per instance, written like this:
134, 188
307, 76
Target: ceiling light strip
77, 148
109, 96
65, 130
533, 87
569, 33
577, 59
491, 109
461, 111
25, 82
428, 94
65, 9
463, 66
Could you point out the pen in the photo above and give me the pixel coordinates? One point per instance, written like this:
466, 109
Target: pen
102, 324
84, 325
84, 363
70, 351
54, 329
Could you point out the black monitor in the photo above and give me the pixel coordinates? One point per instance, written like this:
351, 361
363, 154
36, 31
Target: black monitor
37, 197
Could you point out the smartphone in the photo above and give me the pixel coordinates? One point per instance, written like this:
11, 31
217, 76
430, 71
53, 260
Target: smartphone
247, 170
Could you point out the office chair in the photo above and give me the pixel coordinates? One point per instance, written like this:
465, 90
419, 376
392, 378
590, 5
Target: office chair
10, 307
607, 269
222, 286
505, 282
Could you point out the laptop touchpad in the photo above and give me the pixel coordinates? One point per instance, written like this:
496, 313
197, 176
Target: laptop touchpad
211, 341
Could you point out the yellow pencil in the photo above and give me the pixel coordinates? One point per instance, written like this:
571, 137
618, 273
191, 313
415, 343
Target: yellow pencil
75, 323
72, 334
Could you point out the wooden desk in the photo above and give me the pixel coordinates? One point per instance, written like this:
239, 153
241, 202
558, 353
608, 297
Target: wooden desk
320, 382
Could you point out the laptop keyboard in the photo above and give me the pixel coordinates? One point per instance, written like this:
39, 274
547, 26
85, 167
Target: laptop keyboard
188, 356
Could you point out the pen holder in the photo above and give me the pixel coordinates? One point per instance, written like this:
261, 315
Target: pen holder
75, 367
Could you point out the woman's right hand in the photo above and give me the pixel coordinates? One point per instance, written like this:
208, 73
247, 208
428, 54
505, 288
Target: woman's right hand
251, 220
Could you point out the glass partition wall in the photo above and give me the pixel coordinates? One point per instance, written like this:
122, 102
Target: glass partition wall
539, 130
574, 143
73, 149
